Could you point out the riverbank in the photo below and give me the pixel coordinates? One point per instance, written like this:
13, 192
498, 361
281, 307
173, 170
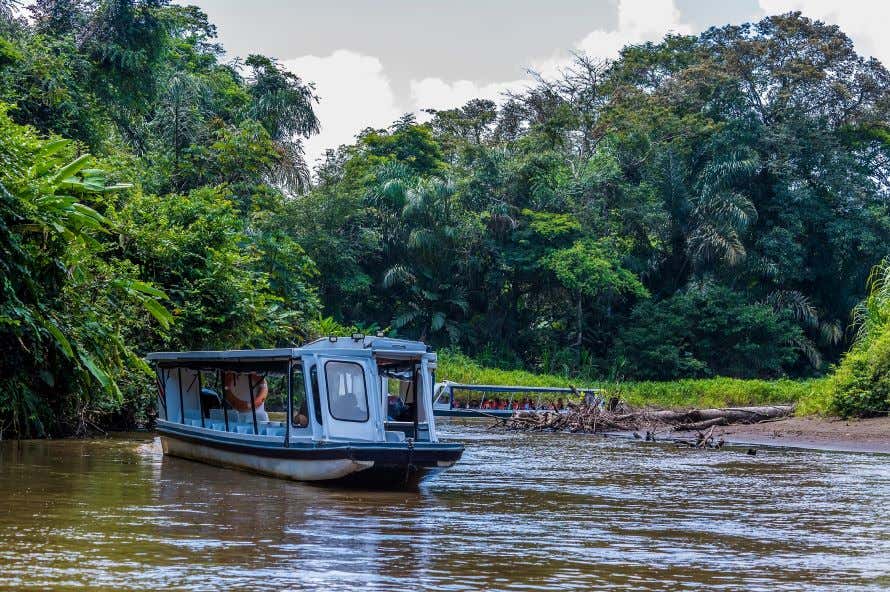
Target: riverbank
848, 435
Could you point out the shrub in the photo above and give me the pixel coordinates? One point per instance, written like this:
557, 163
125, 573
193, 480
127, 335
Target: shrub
707, 332
861, 383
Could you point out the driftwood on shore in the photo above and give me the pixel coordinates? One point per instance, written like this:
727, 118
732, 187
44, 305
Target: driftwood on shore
594, 418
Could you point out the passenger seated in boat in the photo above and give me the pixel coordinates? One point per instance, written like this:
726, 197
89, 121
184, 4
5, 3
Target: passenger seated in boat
237, 393
301, 417
210, 399
395, 408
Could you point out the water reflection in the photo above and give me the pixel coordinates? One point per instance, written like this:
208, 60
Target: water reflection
520, 512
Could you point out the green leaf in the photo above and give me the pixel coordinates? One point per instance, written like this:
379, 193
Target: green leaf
72, 167
53, 146
97, 372
61, 340
404, 318
158, 311
148, 289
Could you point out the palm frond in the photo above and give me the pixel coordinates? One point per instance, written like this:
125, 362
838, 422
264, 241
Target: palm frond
809, 349
797, 304
722, 173
873, 313
405, 318
707, 243
397, 274
832, 332
437, 321
733, 209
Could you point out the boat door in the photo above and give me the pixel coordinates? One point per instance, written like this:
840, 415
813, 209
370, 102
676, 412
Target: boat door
348, 398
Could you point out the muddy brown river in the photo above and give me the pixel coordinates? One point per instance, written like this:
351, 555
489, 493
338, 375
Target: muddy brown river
519, 512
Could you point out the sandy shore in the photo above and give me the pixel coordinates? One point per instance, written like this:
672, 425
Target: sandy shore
862, 435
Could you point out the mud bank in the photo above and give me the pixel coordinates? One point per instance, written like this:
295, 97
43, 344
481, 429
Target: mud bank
862, 435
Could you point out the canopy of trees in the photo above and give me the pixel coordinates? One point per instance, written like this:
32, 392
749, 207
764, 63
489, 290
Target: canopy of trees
707, 205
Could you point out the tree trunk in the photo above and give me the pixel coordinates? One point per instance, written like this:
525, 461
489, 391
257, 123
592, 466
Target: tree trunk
729, 414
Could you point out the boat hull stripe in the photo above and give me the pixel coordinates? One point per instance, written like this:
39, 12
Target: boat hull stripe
423, 453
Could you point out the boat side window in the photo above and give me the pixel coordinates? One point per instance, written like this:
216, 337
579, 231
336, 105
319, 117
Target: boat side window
300, 408
316, 393
347, 395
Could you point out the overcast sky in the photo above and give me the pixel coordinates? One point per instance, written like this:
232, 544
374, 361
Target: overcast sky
374, 60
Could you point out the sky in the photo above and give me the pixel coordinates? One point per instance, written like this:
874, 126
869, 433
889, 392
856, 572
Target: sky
374, 60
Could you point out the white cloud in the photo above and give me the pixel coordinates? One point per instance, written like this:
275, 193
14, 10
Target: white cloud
435, 93
863, 20
354, 93
639, 21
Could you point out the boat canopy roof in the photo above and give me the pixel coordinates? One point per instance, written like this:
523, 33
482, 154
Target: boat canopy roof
277, 359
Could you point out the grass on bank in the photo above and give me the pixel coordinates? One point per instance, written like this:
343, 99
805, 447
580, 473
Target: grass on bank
811, 396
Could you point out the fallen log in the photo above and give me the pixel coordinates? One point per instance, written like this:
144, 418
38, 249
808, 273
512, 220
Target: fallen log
701, 425
731, 414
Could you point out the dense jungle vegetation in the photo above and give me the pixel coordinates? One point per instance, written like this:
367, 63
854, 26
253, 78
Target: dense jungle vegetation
706, 206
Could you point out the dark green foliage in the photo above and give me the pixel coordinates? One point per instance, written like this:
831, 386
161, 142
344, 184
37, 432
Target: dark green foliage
64, 305
680, 165
707, 205
707, 331
197, 254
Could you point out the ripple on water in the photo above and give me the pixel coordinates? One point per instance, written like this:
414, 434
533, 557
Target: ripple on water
520, 512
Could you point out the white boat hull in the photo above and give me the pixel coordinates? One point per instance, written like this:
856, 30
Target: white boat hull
298, 470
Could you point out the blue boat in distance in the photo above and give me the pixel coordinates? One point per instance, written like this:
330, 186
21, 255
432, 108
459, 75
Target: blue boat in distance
446, 404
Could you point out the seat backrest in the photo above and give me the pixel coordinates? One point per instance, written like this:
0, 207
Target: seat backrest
247, 417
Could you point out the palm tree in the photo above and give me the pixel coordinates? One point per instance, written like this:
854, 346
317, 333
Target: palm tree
282, 102
179, 118
720, 213
872, 316
422, 271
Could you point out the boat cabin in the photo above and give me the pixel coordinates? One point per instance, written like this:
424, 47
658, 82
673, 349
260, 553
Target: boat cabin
368, 389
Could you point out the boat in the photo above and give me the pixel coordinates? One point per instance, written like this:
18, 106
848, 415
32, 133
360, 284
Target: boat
446, 405
353, 409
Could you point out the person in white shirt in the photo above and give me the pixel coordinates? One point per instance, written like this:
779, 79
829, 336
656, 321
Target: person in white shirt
237, 393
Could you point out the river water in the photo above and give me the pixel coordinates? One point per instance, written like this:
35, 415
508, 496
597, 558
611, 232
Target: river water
519, 512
